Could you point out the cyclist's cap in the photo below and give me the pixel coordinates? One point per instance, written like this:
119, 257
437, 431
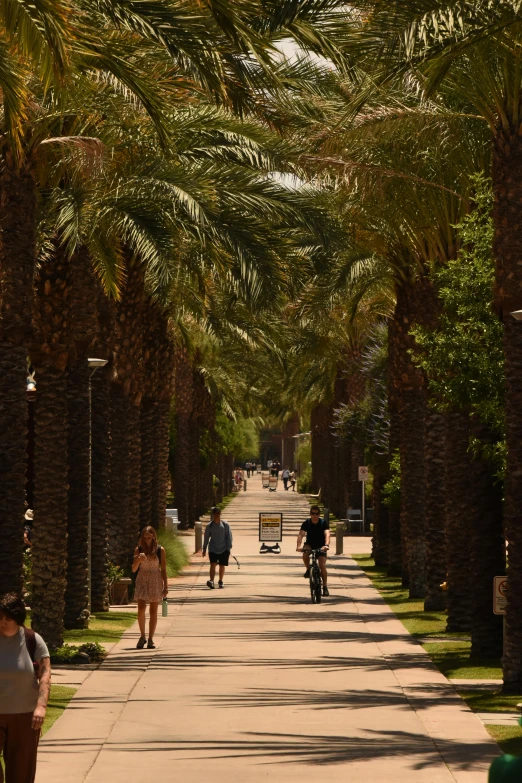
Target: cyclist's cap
216, 510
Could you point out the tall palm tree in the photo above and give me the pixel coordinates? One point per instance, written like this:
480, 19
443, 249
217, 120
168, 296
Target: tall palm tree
84, 334
49, 356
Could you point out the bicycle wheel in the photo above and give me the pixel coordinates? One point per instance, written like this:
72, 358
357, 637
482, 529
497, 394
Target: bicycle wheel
312, 587
317, 584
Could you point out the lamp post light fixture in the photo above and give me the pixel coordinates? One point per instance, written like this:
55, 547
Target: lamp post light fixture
517, 315
93, 366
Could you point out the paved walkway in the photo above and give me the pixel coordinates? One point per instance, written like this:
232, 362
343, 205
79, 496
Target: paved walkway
254, 683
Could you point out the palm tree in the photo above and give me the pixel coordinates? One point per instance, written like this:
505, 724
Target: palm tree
49, 356
84, 333
474, 57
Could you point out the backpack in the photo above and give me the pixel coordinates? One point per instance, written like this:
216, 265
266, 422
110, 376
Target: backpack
134, 574
30, 643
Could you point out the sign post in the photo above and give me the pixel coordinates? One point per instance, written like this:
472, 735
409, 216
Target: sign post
363, 477
500, 601
270, 529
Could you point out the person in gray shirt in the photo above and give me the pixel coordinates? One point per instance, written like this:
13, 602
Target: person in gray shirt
25, 679
218, 540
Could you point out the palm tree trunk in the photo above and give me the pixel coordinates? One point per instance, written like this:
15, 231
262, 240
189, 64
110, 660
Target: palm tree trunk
120, 477
160, 481
84, 331
512, 660
50, 356
394, 514
183, 401
380, 539
13, 458
49, 551
148, 425
320, 427
77, 592
488, 555
101, 487
355, 486
459, 513
17, 264
133, 503
416, 304
435, 503
507, 250
413, 413
393, 387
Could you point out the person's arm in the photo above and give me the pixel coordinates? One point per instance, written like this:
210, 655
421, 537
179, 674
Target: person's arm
302, 534
164, 573
138, 558
327, 537
44, 687
206, 539
229, 538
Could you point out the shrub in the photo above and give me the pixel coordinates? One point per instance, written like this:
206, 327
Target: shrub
175, 552
304, 482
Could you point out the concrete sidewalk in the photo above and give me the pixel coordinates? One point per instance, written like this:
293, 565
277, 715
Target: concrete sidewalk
254, 682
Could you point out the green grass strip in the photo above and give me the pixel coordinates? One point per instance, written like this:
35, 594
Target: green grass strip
508, 737
103, 627
59, 698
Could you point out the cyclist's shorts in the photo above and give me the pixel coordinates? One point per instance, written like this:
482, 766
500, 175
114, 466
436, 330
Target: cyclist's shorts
221, 559
308, 548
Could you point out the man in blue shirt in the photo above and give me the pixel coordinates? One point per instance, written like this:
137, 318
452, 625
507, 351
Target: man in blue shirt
317, 533
218, 539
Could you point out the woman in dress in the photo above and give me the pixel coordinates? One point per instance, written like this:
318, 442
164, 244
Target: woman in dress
25, 680
151, 582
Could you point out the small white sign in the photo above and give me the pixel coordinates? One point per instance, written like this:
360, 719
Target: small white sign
363, 473
499, 594
270, 526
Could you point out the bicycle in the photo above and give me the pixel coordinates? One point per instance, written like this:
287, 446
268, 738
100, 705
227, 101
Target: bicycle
316, 581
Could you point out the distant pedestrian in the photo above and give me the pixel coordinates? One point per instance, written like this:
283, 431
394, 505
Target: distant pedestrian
150, 566
247, 466
25, 680
218, 540
286, 477
292, 480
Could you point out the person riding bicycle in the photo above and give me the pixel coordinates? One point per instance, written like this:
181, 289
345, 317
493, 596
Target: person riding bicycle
317, 532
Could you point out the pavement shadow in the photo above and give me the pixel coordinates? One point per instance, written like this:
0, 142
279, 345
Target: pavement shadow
322, 664
325, 750
432, 696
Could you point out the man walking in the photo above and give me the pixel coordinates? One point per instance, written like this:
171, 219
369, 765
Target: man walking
285, 475
317, 532
218, 539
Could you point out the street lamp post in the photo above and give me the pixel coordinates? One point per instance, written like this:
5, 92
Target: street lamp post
93, 366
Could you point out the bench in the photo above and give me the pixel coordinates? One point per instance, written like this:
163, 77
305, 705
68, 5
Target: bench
354, 522
172, 519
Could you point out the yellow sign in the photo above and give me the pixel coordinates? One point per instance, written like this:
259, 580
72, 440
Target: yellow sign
270, 526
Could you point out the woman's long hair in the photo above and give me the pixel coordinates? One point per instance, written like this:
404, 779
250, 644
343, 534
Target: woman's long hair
149, 549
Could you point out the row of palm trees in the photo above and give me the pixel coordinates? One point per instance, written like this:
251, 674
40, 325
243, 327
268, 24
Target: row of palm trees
141, 221
424, 107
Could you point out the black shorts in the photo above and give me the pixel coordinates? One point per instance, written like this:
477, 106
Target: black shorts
221, 559
308, 548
